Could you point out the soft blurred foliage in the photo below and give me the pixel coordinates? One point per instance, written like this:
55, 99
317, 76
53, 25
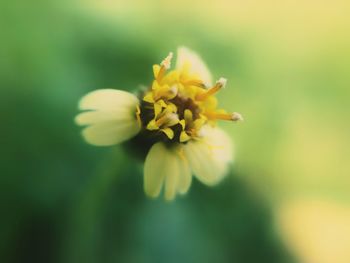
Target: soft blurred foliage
288, 65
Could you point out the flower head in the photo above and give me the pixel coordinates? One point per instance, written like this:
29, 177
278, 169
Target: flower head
177, 116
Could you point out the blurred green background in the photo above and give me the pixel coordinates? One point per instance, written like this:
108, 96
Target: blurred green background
287, 198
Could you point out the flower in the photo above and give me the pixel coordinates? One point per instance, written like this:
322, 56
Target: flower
177, 115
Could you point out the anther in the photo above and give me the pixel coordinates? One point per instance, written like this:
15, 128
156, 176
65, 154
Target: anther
225, 116
221, 83
237, 116
165, 65
167, 61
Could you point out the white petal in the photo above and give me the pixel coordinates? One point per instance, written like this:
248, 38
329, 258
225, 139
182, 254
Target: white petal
155, 169
221, 146
164, 165
201, 162
185, 177
111, 132
94, 117
198, 67
107, 99
112, 119
209, 157
171, 180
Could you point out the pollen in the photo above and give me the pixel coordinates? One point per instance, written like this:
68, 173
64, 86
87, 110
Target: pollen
178, 104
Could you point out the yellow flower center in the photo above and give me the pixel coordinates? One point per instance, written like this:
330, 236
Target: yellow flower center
178, 103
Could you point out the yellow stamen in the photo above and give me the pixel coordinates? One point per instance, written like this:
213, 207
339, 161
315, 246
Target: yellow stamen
165, 65
161, 73
167, 61
161, 120
195, 82
224, 116
218, 85
177, 92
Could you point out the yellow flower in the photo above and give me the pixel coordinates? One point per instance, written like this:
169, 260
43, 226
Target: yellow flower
178, 114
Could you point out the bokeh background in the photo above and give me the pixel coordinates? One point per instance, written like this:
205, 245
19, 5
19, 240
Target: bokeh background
287, 197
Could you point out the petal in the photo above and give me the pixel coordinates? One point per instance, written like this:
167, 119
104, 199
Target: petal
111, 132
157, 109
149, 97
186, 56
201, 162
210, 156
114, 117
171, 181
154, 170
152, 125
164, 165
108, 99
168, 132
94, 117
185, 177
221, 144
184, 137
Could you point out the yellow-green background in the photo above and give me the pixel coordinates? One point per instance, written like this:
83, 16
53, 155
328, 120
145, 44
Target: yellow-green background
288, 67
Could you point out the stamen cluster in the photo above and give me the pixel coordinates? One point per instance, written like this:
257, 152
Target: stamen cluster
178, 103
